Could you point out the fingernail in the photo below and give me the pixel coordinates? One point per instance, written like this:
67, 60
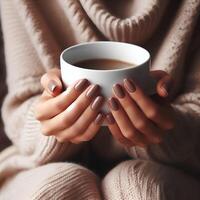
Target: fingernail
110, 118
97, 103
99, 119
118, 90
52, 86
165, 88
92, 92
164, 91
129, 85
81, 85
113, 104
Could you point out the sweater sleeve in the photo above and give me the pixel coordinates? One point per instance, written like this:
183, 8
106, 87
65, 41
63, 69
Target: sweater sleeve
24, 70
181, 145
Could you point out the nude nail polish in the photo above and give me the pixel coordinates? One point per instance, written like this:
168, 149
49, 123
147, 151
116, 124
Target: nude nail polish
81, 85
129, 85
113, 104
118, 90
92, 92
97, 103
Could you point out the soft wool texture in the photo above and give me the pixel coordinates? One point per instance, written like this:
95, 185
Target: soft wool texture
33, 43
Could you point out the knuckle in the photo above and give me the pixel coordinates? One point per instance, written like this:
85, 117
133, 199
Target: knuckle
60, 139
46, 131
153, 113
38, 115
141, 124
130, 134
37, 112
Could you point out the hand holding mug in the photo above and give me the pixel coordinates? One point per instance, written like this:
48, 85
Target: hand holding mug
72, 115
137, 119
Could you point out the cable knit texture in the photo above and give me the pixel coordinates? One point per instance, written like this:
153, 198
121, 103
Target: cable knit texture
169, 30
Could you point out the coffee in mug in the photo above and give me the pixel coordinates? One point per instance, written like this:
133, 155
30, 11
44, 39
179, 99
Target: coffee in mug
103, 64
106, 63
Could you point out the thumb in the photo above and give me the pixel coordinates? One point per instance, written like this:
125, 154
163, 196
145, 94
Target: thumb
164, 82
51, 82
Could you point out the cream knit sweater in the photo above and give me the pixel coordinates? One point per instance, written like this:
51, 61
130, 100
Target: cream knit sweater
169, 30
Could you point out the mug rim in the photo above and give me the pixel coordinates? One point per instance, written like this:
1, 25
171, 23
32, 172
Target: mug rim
104, 42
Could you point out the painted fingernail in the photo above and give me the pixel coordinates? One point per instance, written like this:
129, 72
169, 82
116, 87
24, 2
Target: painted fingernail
99, 119
110, 119
97, 103
81, 85
129, 85
92, 92
52, 86
113, 104
165, 88
164, 92
118, 90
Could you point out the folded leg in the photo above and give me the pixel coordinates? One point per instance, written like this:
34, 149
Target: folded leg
52, 181
147, 180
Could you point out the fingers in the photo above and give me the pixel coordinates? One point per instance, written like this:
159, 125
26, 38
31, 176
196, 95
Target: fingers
136, 116
126, 127
165, 82
90, 119
82, 123
151, 110
164, 86
116, 132
70, 115
60, 102
91, 130
51, 82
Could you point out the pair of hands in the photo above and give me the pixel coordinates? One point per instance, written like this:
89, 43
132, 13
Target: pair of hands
73, 115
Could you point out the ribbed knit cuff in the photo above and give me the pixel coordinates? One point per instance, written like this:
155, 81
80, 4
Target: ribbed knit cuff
42, 149
178, 144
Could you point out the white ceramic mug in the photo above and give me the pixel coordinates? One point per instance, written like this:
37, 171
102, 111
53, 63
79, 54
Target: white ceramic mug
106, 78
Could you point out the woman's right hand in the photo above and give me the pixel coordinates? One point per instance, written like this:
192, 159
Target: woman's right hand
72, 115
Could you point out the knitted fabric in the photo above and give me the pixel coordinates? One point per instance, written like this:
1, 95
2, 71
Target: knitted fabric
31, 49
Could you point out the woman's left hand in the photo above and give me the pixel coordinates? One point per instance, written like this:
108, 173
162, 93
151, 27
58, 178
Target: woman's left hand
137, 119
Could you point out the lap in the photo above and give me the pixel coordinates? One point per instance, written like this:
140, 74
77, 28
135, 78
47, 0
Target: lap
143, 179
52, 181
